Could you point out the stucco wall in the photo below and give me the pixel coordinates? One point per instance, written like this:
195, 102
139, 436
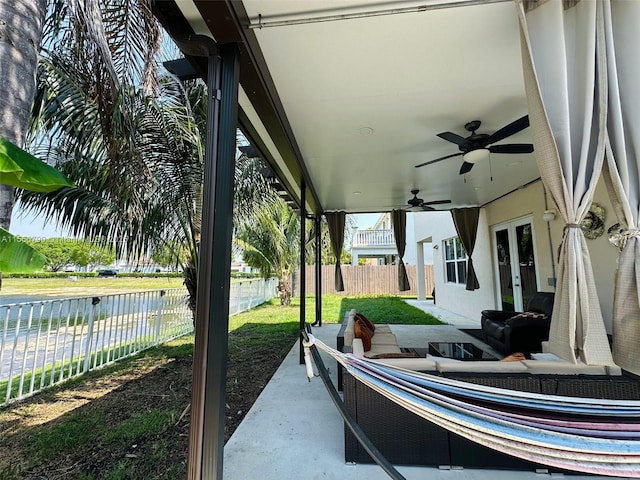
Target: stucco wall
528, 201
438, 226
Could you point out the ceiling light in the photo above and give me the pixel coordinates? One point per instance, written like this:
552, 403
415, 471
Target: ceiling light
475, 156
366, 131
357, 193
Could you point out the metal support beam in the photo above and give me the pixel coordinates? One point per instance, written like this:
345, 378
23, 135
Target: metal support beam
318, 229
206, 442
303, 263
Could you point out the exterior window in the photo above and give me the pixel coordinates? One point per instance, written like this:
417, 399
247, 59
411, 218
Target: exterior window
455, 261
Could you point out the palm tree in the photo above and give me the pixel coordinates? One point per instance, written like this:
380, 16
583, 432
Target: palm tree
271, 244
129, 135
21, 25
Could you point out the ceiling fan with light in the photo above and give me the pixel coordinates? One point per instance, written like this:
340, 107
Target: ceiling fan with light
477, 146
417, 204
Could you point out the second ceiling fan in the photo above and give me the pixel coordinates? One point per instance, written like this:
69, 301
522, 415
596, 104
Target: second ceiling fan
478, 145
420, 204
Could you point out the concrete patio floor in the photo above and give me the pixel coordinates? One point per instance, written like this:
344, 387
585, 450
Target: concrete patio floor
294, 431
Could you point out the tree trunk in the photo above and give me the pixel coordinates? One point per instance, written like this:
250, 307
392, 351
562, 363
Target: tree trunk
21, 25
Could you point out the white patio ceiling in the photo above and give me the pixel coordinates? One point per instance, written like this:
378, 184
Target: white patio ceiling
366, 97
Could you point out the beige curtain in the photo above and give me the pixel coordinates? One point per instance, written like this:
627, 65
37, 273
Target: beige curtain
622, 171
565, 81
399, 220
336, 221
466, 223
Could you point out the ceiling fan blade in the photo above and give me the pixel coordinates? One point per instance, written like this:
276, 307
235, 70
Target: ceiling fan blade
511, 129
512, 148
436, 202
439, 159
453, 138
465, 168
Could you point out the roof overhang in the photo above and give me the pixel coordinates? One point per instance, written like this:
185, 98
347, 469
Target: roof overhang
350, 96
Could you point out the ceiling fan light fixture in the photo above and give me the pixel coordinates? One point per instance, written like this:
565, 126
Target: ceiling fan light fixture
475, 156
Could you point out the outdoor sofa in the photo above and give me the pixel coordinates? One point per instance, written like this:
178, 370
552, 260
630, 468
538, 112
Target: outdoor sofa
405, 438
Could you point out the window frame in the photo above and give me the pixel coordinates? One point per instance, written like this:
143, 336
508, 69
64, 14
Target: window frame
452, 247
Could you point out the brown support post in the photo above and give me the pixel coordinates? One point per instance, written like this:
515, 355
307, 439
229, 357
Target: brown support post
303, 264
206, 437
318, 229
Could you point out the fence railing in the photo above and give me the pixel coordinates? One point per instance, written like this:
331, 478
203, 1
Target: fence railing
43, 343
373, 238
246, 294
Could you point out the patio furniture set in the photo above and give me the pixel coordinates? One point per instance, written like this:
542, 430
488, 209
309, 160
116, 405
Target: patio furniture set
405, 438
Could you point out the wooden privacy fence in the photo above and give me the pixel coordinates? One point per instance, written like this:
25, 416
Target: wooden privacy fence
365, 279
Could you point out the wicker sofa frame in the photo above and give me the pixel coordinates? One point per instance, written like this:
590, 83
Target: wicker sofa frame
407, 439
404, 438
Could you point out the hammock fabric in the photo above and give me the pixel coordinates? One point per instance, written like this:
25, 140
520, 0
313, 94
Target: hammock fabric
582, 434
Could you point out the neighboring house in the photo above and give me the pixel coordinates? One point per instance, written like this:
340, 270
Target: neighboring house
503, 233
378, 246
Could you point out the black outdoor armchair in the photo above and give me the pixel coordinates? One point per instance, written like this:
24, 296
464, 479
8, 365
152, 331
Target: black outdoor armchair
510, 332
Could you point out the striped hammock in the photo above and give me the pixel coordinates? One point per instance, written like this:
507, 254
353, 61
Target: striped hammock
582, 434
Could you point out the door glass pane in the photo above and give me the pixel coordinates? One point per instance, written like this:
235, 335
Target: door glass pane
527, 261
504, 269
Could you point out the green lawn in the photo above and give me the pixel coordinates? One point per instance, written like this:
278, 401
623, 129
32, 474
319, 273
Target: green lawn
378, 308
84, 286
139, 427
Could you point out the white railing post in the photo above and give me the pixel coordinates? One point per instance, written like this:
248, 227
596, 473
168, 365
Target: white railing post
87, 348
159, 316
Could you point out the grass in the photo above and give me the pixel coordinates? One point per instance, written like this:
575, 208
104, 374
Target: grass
387, 309
129, 420
86, 286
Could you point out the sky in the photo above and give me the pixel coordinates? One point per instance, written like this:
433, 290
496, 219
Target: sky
25, 225
30, 226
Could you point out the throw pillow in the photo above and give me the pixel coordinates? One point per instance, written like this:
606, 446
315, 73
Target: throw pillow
367, 322
362, 333
364, 325
531, 315
514, 357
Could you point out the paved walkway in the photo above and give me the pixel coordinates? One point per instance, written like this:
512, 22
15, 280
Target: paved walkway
445, 315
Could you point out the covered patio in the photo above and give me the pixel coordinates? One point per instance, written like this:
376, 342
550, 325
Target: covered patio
303, 436
370, 106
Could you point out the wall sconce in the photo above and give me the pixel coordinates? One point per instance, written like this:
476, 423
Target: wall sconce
549, 215
435, 247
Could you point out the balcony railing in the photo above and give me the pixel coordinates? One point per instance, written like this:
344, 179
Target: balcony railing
373, 238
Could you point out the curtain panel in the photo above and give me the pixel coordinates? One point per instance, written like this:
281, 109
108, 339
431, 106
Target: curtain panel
399, 220
565, 82
466, 223
622, 171
336, 221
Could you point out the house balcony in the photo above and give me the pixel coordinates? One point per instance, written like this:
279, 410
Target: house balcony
373, 238
374, 244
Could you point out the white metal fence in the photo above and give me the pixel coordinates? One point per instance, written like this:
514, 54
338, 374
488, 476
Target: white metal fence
246, 294
43, 343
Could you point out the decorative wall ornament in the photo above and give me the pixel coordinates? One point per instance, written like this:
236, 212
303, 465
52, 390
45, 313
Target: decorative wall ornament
593, 224
616, 238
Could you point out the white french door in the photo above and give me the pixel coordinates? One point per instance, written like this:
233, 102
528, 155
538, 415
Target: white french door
514, 254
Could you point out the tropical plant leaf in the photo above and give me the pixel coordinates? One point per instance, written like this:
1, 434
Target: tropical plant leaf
21, 169
18, 257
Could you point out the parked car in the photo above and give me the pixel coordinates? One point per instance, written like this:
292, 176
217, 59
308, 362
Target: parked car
107, 273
